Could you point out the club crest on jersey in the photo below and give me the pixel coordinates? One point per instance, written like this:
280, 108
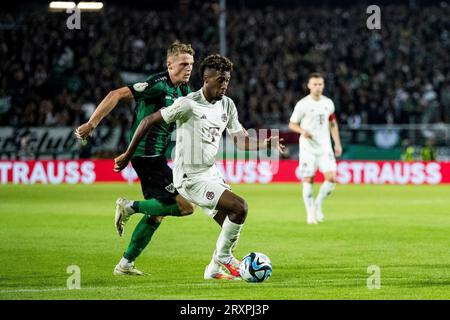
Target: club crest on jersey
210, 195
170, 188
224, 117
140, 86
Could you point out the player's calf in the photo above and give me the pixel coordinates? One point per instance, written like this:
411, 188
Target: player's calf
238, 210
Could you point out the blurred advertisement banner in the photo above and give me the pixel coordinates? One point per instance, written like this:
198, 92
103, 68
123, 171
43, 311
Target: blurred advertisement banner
349, 172
31, 142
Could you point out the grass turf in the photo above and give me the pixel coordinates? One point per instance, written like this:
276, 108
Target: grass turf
404, 230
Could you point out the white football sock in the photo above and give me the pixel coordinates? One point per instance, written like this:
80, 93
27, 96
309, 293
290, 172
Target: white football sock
227, 237
325, 190
129, 207
233, 246
124, 262
308, 196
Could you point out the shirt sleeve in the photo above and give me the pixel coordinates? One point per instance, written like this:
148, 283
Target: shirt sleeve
333, 109
233, 125
179, 110
145, 90
297, 114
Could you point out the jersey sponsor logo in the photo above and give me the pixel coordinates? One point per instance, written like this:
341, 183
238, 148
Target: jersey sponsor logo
224, 117
170, 188
214, 132
209, 195
163, 78
140, 86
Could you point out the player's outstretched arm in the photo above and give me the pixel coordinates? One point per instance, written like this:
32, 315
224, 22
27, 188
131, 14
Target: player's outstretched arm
144, 126
102, 110
244, 142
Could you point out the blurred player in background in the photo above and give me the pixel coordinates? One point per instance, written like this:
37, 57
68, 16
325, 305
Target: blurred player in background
201, 118
313, 118
148, 159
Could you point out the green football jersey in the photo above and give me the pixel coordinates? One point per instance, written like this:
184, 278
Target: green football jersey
155, 93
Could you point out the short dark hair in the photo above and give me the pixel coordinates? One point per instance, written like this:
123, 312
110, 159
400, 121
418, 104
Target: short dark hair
316, 75
216, 62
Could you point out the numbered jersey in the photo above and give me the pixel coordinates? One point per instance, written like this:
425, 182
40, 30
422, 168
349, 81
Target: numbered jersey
200, 125
314, 117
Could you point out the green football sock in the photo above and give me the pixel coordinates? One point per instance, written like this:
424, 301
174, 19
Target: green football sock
153, 207
141, 237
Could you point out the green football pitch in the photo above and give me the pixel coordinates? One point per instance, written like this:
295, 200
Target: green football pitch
397, 235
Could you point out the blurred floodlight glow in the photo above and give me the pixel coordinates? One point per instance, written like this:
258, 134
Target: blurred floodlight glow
61, 5
90, 5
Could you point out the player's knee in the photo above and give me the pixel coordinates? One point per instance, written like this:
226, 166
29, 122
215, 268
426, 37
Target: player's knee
186, 207
240, 208
308, 180
157, 219
332, 179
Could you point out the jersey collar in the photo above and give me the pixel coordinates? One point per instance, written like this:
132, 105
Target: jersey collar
203, 99
169, 82
311, 98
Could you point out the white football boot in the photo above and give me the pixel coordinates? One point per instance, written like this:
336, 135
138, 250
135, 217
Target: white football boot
318, 213
126, 269
214, 269
311, 217
123, 213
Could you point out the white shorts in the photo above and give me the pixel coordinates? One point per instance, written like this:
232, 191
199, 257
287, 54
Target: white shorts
204, 190
309, 163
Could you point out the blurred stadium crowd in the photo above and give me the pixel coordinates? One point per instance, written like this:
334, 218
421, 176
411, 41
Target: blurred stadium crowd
53, 76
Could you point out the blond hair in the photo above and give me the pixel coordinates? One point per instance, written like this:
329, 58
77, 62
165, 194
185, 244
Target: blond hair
178, 47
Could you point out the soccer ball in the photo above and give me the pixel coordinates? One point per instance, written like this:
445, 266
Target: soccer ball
255, 267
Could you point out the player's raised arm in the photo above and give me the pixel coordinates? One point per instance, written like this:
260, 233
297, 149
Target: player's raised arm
103, 109
146, 124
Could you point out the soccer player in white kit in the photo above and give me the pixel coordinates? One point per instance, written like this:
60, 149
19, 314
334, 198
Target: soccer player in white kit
313, 118
201, 118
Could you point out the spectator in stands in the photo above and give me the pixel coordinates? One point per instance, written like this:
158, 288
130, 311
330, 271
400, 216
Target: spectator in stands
428, 152
409, 152
390, 75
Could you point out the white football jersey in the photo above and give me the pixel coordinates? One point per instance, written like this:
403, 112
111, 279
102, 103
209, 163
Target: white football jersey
200, 125
313, 116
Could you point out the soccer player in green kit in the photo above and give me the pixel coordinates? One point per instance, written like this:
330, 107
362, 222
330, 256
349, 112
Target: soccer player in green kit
149, 162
